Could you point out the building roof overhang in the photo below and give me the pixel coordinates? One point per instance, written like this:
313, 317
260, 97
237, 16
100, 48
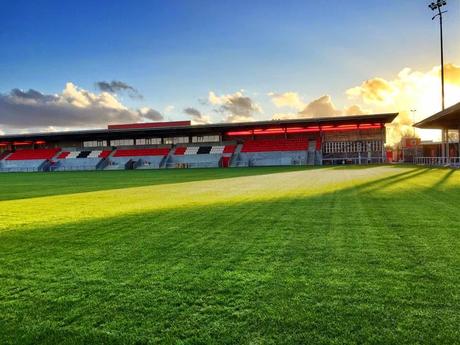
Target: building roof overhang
104, 134
447, 119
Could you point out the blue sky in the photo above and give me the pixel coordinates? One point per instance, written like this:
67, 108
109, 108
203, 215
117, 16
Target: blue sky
176, 52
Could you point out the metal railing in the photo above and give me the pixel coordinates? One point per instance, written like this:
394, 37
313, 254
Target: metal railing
19, 169
192, 165
255, 162
353, 160
30, 167
73, 168
148, 165
438, 161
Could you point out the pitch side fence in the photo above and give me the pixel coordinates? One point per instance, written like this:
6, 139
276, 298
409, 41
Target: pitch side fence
438, 161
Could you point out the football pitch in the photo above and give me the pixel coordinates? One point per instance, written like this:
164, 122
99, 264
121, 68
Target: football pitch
333, 255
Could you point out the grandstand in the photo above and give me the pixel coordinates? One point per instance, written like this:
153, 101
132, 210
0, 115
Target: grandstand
165, 145
28, 160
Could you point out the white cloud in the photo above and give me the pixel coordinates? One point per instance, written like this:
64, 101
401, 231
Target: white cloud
355, 110
168, 109
287, 99
237, 107
116, 86
74, 107
216, 100
321, 107
409, 90
198, 118
285, 116
150, 114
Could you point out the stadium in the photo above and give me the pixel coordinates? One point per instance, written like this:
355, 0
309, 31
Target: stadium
228, 172
317, 141
286, 232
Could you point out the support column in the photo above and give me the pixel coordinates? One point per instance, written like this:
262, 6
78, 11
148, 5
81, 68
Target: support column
382, 142
458, 149
447, 146
443, 144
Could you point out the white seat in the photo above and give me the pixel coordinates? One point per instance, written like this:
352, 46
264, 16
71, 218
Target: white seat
73, 154
94, 154
217, 149
191, 150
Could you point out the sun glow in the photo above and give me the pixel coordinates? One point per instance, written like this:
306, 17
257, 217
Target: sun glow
415, 95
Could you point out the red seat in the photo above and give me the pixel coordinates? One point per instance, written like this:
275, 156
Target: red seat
63, 155
229, 148
30, 154
180, 150
105, 154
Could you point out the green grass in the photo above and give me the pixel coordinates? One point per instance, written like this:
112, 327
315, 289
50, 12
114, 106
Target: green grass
236, 256
27, 185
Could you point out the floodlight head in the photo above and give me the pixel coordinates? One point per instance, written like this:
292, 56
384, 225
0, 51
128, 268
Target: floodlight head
437, 5
441, 3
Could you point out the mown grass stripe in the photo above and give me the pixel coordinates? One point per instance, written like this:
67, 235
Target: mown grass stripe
317, 256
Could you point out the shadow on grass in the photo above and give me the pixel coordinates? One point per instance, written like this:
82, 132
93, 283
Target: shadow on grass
358, 167
443, 180
390, 180
343, 267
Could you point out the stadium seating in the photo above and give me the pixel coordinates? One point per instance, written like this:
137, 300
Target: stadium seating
31, 154
266, 152
63, 155
230, 149
227, 155
105, 153
251, 153
28, 160
145, 158
205, 156
180, 150
80, 160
